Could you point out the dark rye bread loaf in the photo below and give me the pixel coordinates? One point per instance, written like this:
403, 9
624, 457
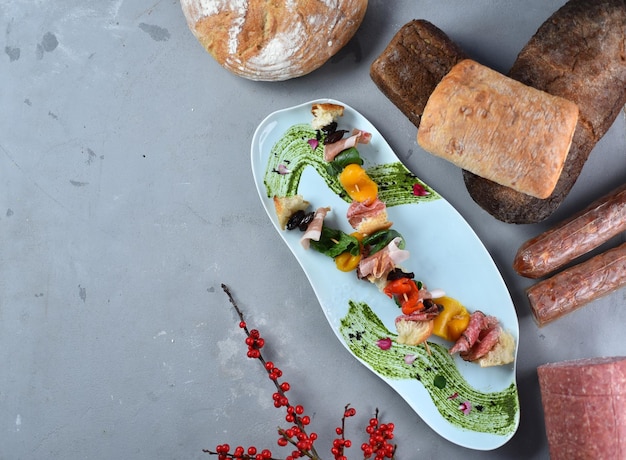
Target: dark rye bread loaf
579, 53
412, 65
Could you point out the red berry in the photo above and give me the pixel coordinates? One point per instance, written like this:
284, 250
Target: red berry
282, 442
285, 386
339, 431
251, 450
242, 324
299, 410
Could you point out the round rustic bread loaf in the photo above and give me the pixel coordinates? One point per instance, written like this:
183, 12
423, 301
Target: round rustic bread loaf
273, 40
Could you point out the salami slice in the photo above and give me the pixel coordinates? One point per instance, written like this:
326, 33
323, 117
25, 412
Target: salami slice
583, 405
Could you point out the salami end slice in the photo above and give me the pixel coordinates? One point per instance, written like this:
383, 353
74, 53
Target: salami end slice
583, 404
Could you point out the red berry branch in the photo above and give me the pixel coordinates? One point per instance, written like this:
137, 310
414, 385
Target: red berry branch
296, 436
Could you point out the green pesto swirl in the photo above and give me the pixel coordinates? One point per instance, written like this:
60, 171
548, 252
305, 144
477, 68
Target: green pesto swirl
492, 412
292, 151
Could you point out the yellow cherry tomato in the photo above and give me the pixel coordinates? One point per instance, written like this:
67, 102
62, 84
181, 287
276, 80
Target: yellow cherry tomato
345, 261
452, 321
357, 183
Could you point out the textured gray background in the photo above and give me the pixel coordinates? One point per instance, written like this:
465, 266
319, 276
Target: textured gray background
126, 198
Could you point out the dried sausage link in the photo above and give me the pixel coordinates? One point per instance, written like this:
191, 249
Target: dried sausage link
588, 229
575, 287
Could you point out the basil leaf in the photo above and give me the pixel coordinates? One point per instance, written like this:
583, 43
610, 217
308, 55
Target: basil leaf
333, 242
348, 156
440, 381
378, 240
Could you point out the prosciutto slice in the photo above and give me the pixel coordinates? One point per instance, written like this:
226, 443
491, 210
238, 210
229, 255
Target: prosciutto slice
382, 262
335, 148
358, 211
314, 229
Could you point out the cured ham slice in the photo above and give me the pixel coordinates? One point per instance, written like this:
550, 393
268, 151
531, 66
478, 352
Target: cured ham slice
368, 216
583, 405
382, 262
365, 136
314, 229
335, 148
358, 211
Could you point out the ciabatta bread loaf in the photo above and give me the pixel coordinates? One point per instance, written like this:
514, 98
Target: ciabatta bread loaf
579, 53
272, 41
498, 128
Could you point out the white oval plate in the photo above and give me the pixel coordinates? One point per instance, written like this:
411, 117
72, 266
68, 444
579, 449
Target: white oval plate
445, 254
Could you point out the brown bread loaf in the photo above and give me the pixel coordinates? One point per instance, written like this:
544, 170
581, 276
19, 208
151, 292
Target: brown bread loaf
412, 65
272, 41
579, 53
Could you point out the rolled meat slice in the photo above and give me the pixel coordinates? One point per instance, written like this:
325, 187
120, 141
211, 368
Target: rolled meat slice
583, 405
588, 229
575, 287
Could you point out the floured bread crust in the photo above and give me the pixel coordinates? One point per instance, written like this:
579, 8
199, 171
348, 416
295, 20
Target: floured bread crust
498, 128
273, 40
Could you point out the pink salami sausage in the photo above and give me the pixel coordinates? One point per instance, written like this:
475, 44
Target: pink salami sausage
576, 286
588, 229
583, 405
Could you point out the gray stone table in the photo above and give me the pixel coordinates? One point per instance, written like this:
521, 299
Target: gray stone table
127, 198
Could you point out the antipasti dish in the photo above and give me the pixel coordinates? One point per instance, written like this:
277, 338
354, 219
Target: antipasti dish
404, 282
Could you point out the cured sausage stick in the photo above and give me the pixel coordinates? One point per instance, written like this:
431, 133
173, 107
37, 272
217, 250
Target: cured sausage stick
575, 287
588, 229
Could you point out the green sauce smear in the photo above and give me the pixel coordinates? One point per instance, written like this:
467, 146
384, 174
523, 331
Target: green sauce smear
395, 181
493, 412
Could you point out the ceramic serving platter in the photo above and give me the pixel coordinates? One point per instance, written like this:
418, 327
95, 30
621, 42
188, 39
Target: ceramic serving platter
474, 407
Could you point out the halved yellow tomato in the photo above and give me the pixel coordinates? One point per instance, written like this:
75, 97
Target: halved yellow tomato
452, 321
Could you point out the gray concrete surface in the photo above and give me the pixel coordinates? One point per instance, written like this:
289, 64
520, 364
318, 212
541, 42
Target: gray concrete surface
127, 198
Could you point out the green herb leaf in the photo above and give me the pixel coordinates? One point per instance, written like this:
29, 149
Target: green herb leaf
348, 156
378, 240
333, 242
440, 381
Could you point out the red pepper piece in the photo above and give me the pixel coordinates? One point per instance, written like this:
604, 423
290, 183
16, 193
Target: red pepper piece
407, 294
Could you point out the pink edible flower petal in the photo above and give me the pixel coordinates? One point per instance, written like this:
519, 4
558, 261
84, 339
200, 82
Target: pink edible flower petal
419, 190
282, 169
465, 407
453, 396
384, 344
409, 359
313, 143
